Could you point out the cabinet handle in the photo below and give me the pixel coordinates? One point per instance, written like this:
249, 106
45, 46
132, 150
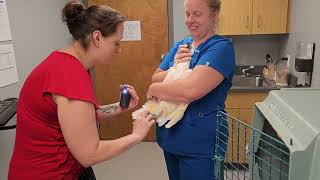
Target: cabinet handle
259, 21
247, 21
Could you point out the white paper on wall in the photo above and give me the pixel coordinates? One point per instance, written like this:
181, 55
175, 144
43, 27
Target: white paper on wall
132, 31
8, 68
5, 33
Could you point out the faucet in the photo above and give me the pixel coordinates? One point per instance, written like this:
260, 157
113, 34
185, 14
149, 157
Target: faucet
245, 71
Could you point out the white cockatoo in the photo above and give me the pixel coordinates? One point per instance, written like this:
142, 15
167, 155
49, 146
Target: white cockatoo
165, 111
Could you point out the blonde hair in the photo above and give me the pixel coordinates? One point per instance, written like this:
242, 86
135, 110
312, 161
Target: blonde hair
214, 5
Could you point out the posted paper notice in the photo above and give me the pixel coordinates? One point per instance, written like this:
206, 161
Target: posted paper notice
132, 31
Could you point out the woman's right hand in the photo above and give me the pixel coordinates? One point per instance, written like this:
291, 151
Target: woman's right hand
142, 125
183, 55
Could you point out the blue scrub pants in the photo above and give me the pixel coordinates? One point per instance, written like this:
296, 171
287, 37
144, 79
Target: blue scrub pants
188, 168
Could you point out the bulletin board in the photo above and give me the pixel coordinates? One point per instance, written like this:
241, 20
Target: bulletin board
5, 33
8, 67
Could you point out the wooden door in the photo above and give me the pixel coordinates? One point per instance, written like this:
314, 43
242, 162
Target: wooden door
235, 17
136, 63
270, 16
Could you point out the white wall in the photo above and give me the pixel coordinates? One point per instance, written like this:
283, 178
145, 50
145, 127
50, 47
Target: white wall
251, 50
304, 26
179, 27
37, 30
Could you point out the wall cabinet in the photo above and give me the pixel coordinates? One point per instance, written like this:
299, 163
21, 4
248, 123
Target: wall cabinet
240, 106
247, 17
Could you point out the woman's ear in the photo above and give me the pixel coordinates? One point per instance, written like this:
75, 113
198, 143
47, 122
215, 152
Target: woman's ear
96, 38
215, 14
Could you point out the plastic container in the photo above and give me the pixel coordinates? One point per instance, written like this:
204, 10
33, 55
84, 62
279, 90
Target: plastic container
271, 71
282, 73
259, 81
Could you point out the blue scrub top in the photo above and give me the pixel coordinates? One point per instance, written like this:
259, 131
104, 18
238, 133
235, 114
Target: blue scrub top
195, 133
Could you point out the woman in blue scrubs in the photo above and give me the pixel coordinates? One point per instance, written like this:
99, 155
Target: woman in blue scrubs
189, 145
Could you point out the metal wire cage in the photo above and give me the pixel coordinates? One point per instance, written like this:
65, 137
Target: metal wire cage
250, 153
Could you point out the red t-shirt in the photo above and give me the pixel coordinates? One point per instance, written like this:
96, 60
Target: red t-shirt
40, 150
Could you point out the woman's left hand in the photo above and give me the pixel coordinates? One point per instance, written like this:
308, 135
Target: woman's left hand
134, 96
150, 94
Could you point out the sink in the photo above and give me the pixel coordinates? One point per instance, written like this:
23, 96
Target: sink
256, 70
244, 81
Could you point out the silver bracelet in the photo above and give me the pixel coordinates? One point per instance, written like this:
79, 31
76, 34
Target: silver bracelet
108, 108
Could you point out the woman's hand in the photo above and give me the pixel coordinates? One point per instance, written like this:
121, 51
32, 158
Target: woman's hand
134, 96
150, 91
142, 124
183, 55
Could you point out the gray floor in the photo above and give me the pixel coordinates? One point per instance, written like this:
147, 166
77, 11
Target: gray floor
143, 162
236, 175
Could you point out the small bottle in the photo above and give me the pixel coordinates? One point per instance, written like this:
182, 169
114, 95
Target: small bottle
125, 97
269, 69
259, 81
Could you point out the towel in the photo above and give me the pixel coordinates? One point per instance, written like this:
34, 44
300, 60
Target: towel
165, 112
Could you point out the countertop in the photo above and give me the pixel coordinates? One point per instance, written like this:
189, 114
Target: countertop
266, 87
252, 89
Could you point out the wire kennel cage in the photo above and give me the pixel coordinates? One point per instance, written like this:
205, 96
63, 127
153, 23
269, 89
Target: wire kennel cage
283, 142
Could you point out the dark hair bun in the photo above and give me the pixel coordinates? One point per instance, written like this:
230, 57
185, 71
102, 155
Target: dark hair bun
72, 11
83, 21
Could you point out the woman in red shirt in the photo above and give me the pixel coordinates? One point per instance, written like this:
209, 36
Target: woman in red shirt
56, 136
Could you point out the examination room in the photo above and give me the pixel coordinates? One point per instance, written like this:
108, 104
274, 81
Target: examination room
159, 89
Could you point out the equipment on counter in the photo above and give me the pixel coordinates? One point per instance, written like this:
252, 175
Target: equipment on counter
282, 72
269, 70
8, 123
304, 61
7, 110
